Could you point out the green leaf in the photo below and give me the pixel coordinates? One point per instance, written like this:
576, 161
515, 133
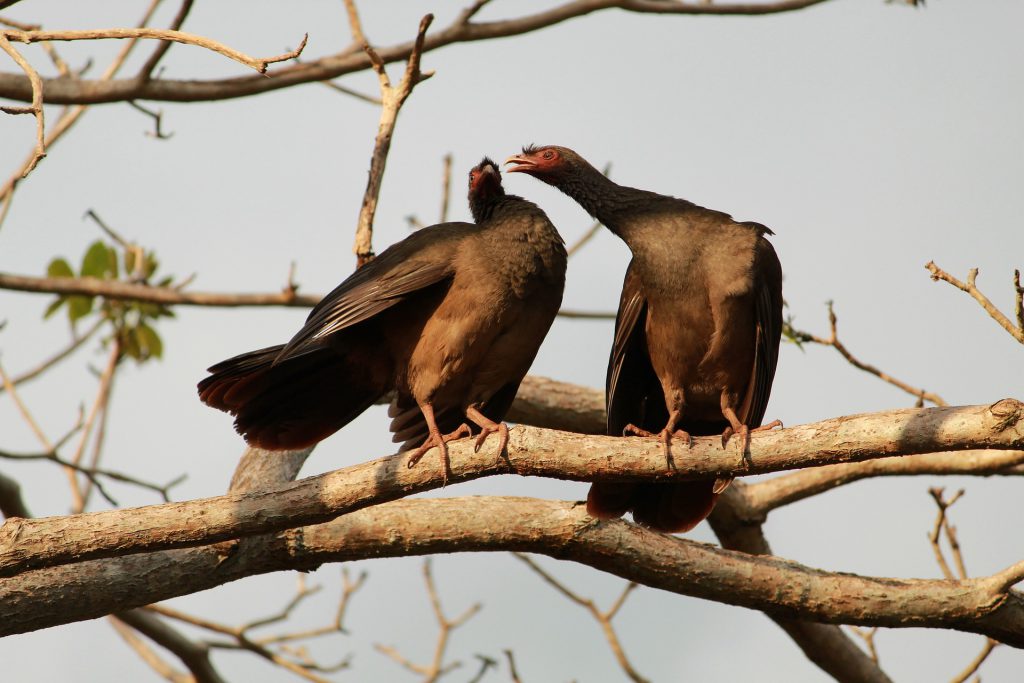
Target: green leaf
59, 268
96, 261
54, 307
129, 261
79, 307
149, 341
150, 265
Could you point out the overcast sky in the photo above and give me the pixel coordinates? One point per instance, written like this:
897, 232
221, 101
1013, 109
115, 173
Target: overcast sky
870, 137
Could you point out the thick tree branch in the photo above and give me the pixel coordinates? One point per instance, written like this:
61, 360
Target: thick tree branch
559, 529
61, 91
27, 544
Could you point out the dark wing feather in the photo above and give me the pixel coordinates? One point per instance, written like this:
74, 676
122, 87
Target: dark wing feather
768, 313
633, 392
417, 262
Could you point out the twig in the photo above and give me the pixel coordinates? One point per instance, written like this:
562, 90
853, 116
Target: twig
512, 671
602, 618
98, 408
868, 636
1016, 331
392, 98
146, 72
348, 589
259, 64
158, 119
240, 640
833, 341
446, 184
437, 667
942, 524
45, 365
36, 108
976, 663
147, 655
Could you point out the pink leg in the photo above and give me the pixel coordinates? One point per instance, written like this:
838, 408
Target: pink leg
488, 427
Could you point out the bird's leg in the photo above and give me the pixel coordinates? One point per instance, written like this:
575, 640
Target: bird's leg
665, 435
488, 427
436, 438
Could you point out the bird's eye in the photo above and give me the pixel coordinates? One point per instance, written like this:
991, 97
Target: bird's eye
548, 154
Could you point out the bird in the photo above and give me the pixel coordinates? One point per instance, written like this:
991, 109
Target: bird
697, 331
449, 319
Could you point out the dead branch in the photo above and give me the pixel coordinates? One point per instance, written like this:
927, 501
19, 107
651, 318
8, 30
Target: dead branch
58, 91
563, 530
27, 544
259, 64
195, 656
833, 341
393, 98
36, 108
764, 496
437, 668
604, 619
1016, 331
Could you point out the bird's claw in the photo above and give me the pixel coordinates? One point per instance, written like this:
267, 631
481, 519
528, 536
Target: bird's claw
501, 429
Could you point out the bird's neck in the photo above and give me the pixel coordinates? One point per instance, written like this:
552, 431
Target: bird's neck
602, 198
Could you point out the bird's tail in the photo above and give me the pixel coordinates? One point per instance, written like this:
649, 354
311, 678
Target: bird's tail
296, 402
671, 508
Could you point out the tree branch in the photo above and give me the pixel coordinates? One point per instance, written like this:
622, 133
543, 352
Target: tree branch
27, 544
60, 91
559, 529
1016, 331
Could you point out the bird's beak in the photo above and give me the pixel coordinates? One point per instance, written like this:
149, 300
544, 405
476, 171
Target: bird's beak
522, 163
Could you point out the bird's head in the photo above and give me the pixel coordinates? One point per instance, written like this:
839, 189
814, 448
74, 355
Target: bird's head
550, 163
484, 188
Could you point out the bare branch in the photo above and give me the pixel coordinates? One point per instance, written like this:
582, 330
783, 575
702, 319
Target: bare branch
259, 64
976, 663
45, 365
393, 98
16, 87
26, 544
195, 656
780, 588
1016, 331
833, 341
764, 496
146, 72
147, 655
36, 108
604, 619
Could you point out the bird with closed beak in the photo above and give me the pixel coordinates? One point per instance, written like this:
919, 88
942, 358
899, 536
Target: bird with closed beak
449, 319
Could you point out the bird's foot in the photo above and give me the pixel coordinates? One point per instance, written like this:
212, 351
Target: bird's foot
771, 425
744, 432
632, 430
441, 441
502, 429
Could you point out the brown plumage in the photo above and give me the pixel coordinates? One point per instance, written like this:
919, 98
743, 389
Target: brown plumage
450, 319
696, 336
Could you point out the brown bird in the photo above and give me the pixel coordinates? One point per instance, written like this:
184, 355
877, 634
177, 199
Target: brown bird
696, 336
450, 319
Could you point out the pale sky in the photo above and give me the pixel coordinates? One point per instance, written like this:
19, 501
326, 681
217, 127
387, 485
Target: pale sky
870, 137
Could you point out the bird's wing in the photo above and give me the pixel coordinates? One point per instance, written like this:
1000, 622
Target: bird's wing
423, 259
768, 314
633, 392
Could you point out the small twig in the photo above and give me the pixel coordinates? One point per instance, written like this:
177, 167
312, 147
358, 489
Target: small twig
392, 98
976, 663
259, 64
98, 407
348, 588
512, 671
833, 341
1016, 331
446, 185
468, 13
486, 663
36, 108
45, 365
437, 668
146, 72
158, 119
602, 618
942, 524
147, 655
868, 636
